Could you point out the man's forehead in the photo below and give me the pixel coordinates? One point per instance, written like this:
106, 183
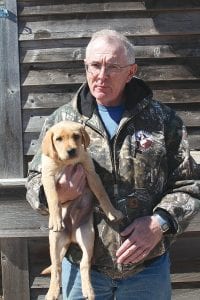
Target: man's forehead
103, 54
104, 47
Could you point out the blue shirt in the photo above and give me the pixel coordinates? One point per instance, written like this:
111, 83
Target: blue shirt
110, 116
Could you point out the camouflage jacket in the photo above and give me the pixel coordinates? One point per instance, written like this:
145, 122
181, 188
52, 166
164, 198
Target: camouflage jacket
146, 167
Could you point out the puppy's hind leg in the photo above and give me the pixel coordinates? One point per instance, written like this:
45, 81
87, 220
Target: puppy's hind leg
85, 239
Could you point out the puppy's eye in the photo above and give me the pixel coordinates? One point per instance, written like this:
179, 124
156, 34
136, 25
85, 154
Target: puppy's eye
59, 139
76, 136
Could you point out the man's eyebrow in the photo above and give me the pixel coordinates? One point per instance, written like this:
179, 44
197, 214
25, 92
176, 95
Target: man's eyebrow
95, 61
107, 63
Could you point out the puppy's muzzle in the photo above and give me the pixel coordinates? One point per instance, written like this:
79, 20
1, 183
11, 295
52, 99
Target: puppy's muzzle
71, 152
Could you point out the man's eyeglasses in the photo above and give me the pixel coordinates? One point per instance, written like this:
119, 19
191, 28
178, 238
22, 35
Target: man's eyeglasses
109, 69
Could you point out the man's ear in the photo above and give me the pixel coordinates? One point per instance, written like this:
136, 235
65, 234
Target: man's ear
132, 71
85, 138
48, 146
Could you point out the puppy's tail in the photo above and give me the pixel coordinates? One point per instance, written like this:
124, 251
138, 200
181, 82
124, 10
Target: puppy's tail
46, 271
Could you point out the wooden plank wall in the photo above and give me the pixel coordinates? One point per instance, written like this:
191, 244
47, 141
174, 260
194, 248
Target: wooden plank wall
53, 36
11, 149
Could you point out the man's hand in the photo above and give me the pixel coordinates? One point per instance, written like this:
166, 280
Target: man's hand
71, 183
142, 236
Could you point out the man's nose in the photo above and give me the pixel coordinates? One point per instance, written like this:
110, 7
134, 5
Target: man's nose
102, 72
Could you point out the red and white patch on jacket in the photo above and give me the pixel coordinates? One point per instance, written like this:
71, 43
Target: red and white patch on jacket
144, 140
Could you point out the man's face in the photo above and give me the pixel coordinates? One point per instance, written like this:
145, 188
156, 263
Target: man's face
105, 79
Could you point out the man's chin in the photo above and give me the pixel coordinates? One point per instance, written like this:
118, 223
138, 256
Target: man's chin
100, 96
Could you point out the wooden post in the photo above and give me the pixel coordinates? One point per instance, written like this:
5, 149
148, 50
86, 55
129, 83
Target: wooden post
14, 253
15, 273
11, 149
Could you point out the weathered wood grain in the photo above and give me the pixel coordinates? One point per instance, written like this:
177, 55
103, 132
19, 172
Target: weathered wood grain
34, 122
25, 9
35, 100
148, 73
15, 272
185, 294
176, 41
10, 105
196, 155
186, 277
39, 100
40, 294
29, 56
53, 77
70, 8
175, 96
12, 183
164, 24
18, 219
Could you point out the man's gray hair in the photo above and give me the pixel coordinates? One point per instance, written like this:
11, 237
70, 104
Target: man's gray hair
108, 33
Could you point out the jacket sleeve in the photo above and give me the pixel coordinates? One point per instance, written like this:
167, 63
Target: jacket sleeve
181, 199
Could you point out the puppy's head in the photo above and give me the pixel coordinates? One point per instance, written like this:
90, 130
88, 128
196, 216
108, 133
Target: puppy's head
65, 141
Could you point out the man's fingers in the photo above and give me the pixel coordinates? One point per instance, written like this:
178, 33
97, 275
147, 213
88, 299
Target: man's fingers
124, 247
66, 175
72, 182
136, 256
72, 176
82, 184
123, 254
78, 174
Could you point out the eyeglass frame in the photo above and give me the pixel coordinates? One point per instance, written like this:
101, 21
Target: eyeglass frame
107, 72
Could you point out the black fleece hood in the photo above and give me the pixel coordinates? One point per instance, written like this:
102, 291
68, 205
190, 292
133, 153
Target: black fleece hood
136, 90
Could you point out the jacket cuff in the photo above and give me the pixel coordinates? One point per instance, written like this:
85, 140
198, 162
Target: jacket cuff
173, 226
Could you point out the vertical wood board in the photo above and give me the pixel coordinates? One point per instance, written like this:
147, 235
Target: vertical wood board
11, 149
15, 273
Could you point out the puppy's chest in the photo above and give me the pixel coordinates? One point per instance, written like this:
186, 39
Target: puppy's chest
61, 169
58, 175
59, 172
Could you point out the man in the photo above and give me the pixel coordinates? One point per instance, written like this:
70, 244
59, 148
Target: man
140, 150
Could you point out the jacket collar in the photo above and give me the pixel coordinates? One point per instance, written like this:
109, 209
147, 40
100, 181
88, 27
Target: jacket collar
137, 96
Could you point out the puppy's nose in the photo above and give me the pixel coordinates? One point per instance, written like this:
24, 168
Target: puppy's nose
71, 152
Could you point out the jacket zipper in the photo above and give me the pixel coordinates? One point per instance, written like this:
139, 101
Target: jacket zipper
115, 164
118, 267
112, 157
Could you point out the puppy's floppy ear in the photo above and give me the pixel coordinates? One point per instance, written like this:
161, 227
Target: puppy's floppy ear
48, 146
85, 138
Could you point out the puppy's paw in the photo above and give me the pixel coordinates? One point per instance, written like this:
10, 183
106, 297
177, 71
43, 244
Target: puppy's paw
115, 216
88, 293
51, 297
53, 293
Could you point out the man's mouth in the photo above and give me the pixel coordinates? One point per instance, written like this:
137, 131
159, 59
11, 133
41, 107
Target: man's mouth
101, 87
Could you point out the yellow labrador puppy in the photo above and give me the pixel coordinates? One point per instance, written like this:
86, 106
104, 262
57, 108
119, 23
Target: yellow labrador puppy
72, 221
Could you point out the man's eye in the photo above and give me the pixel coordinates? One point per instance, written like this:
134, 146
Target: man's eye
113, 68
96, 66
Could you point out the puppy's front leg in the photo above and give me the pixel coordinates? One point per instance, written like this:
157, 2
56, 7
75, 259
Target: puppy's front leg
49, 171
99, 191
